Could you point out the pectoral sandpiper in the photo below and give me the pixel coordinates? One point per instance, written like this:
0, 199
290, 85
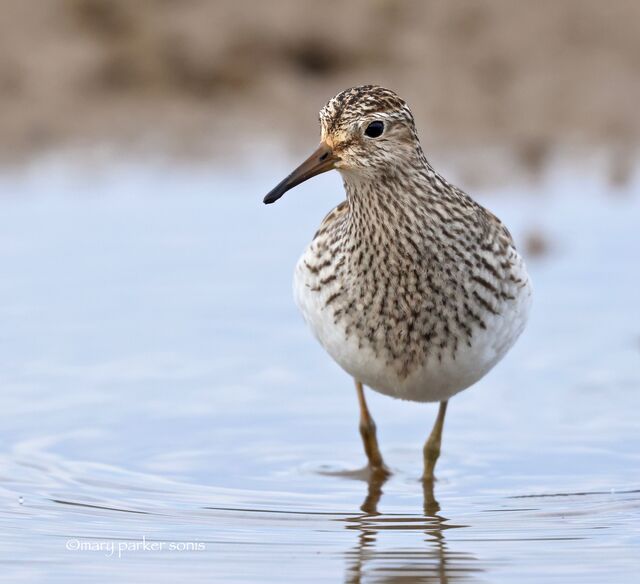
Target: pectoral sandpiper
415, 289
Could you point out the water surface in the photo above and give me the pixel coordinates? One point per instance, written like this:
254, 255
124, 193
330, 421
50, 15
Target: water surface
165, 414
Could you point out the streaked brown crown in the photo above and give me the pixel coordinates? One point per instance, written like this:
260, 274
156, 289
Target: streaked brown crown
352, 104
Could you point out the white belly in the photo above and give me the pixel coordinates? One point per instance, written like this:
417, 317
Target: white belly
437, 378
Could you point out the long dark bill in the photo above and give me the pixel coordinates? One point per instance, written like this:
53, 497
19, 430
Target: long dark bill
322, 160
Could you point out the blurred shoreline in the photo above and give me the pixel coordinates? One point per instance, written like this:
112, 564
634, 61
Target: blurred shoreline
492, 83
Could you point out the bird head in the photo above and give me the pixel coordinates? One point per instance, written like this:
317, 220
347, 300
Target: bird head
365, 132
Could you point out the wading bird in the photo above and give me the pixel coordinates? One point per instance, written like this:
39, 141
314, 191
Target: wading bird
412, 287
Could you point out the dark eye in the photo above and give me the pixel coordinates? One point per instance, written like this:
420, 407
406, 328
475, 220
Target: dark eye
374, 129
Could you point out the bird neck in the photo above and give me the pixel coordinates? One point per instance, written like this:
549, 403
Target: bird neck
384, 205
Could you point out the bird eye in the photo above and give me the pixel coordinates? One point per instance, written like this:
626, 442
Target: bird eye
374, 129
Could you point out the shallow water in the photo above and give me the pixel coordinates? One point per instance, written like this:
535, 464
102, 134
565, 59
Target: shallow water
165, 414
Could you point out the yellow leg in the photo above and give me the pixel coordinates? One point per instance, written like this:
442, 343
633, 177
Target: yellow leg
432, 446
368, 433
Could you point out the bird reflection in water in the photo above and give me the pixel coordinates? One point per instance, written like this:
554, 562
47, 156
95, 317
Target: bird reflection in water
427, 560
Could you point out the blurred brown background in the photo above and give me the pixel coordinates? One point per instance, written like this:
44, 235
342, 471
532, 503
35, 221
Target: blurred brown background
200, 78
